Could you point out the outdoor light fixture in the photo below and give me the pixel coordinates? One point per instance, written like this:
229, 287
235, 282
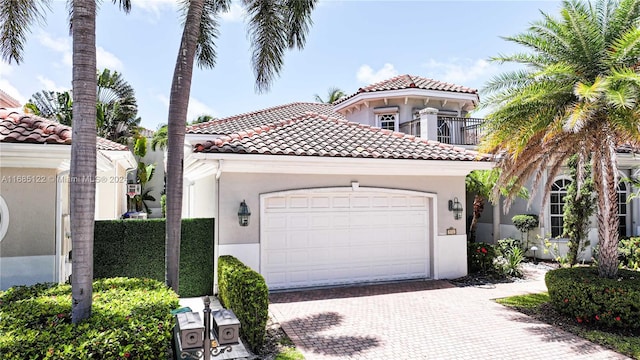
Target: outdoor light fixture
243, 214
534, 249
456, 207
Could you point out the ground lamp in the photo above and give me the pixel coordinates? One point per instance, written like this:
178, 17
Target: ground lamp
243, 214
534, 249
456, 207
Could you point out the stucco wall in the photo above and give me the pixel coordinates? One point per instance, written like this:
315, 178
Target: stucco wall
235, 187
32, 211
111, 193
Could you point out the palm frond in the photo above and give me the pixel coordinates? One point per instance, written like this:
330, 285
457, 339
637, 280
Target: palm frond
625, 50
299, 20
16, 18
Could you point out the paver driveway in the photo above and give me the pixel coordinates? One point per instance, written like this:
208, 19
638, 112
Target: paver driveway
423, 320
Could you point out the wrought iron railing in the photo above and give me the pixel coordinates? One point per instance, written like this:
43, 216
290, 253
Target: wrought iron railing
451, 130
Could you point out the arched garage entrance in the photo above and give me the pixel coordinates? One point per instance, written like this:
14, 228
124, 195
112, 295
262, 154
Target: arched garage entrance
331, 236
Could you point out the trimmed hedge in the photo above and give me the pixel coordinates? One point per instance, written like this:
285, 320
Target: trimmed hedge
135, 248
131, 318
245, 292
580, 293
480, 257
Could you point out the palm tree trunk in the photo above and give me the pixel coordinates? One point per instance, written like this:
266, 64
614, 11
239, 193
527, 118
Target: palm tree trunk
82, 187
178, 105
478, 208
605, 182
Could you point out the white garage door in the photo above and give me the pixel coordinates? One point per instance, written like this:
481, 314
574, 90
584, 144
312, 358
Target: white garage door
338, 237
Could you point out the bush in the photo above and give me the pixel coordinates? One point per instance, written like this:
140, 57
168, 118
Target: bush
245, 292
135, 248
480, 257
131, 319
525, 222
505, 245
581, 294
629, 250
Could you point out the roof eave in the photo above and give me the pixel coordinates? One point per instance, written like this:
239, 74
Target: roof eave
410, 92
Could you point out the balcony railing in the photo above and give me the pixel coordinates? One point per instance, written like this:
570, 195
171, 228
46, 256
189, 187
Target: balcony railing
451, 130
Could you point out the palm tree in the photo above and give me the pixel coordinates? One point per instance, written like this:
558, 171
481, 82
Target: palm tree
116, 107
333, 95
15, 19
579, 94
160, 138
202, 119
481, 184
274, 27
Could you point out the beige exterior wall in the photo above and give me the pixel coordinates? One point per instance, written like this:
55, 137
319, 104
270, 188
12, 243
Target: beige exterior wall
32, 211
111, 193
235, 187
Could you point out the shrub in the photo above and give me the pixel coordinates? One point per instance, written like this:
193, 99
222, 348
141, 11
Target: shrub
131, 318
245, 292
135, 248
480, 257
629, 250
581, 294
512, 260
505, 245
524, 223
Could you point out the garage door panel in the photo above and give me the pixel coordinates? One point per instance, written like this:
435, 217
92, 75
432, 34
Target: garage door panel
336, 238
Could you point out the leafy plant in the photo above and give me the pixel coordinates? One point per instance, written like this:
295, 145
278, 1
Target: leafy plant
144, 174
579, 205
580, 293
480, 257
131, 319
525, 223
245, 292
552, 248
630, 253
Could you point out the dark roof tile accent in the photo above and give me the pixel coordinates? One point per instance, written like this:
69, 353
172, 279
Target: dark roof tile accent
314, 134
257, 119
410, 81
17, 127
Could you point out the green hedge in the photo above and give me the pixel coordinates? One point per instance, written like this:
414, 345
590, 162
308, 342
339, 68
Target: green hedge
131, 319
480, 257
581, 294
135, 248
245, 292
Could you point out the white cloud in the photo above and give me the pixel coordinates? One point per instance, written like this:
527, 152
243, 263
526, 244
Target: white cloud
48, 84
107, 60
58, 45
7, 86
155, 6
196, 107
460, 71
236, 13
367, 75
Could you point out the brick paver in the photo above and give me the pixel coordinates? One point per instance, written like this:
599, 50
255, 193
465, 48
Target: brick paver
423, 320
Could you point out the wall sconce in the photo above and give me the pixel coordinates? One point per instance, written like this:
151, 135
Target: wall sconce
456, 207
243, 214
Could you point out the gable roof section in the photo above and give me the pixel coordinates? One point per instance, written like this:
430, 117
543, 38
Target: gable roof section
23, 128
410, 82
314, 134
242, 122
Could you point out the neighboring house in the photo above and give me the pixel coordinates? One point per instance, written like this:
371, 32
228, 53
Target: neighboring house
35, 156
341, 193
6, 101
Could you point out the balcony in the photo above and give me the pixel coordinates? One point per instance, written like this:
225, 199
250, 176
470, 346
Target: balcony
450, 130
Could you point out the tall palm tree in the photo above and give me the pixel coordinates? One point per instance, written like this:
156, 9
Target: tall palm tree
579, 94
274, 26
16, 17
333, 95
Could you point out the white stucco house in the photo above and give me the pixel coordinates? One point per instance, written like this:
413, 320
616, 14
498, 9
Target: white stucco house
358, 191
35, 157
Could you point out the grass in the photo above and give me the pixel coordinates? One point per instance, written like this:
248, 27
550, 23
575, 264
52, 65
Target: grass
289, 354
538, 307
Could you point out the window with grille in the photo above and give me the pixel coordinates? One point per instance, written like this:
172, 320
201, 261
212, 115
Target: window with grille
387, 121
444, 133
556, 203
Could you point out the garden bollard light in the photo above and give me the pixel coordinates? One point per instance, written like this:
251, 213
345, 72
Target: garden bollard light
534, 249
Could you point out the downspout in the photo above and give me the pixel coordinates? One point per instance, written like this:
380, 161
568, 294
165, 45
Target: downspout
216, 235
59, 264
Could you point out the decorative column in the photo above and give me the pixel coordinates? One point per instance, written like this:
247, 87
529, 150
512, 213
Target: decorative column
429, 123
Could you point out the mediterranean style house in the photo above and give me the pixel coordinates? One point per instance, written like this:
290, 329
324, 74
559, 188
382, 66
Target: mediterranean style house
35, 156
369, 188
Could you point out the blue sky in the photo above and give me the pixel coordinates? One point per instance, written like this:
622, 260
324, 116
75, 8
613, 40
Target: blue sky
351, 44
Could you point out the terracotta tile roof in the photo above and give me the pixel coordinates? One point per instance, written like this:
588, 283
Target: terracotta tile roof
7, 100
407, 82
314, 134
17, 127
237, 123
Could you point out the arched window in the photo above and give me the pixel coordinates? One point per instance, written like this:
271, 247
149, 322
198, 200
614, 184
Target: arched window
444, 133
623, 209
4, 218
556, 203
